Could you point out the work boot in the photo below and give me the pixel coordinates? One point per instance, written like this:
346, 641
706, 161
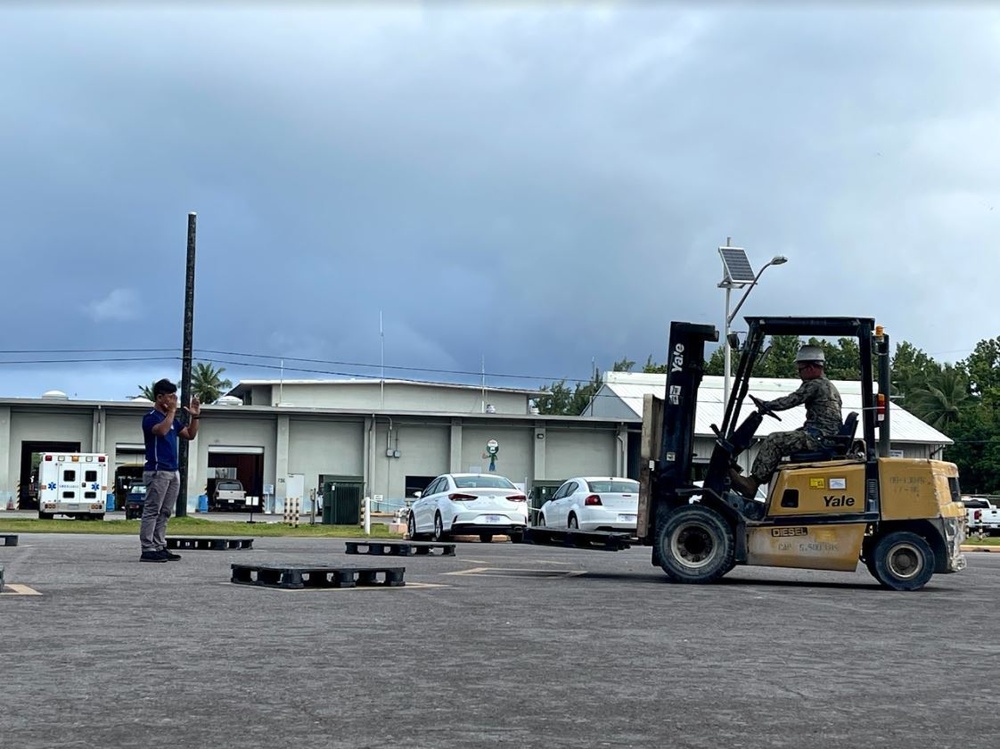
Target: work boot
745, 485
169, 556
152, 556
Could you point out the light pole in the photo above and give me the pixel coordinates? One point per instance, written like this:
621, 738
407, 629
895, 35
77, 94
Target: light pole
737, 274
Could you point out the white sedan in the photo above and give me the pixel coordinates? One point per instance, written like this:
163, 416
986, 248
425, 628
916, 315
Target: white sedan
469, 504
593, 504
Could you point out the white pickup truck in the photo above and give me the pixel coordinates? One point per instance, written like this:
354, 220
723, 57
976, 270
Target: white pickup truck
984, 514
229, 494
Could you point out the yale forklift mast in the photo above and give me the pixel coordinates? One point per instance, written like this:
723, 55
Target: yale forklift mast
828, 509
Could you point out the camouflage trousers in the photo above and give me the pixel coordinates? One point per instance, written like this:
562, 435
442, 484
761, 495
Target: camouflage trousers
776, 446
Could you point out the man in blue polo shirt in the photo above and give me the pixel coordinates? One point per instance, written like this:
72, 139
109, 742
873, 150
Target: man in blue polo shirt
161, 428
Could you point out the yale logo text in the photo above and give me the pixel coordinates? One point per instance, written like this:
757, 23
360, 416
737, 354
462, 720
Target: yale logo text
842, 501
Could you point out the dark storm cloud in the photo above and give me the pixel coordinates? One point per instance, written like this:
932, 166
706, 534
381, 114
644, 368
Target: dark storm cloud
534, 189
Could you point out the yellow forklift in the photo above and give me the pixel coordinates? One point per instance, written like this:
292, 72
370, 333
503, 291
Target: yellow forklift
825, 510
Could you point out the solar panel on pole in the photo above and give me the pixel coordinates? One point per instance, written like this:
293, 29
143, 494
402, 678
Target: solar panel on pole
736, 265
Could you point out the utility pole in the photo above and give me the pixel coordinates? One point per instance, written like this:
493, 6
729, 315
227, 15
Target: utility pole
182, 447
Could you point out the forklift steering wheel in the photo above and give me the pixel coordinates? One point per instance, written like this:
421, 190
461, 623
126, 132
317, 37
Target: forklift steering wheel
762, 407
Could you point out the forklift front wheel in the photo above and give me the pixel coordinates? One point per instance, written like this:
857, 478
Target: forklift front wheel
695, 544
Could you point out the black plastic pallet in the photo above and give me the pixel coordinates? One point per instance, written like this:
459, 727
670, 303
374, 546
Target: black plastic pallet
213, 544
9, 539
400, 548
298, 578
596, 540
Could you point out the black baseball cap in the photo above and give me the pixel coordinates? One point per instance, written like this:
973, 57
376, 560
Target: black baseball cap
163, 387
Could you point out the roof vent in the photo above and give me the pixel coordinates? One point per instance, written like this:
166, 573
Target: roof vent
55, 395
229, 400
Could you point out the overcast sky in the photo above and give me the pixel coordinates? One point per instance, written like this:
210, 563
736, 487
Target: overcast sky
531, 188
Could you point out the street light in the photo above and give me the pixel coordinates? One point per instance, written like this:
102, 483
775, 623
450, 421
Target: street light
737, 274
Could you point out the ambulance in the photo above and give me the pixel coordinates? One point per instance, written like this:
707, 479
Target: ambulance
74, 484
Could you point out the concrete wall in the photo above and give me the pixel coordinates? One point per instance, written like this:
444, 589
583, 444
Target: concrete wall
326, 447
397, 397
424, 449
515, 459
574, 452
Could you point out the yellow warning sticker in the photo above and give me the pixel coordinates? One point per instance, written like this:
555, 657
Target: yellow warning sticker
817, 483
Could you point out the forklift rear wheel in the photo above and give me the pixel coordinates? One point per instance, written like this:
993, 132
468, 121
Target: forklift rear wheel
902, 561
695, 545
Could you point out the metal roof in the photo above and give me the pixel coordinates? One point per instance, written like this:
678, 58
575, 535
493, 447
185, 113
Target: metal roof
629, 388
243, 385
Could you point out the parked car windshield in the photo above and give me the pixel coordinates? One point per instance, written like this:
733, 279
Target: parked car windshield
137, 489
483, 482
621, 487
230, 485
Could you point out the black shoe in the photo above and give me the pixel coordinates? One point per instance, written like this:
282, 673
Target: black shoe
152, 556
169, 556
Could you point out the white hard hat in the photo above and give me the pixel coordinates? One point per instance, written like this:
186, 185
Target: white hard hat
810, 353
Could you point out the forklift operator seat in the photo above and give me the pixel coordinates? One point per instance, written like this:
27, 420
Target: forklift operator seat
833, 447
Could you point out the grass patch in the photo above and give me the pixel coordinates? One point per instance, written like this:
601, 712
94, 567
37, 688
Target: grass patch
189, 526
987, 541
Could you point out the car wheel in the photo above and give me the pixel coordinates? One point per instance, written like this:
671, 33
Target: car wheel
439, 534
573, 524
516, 537
902, 561
542, 521
411, 527
695, 544
486, 538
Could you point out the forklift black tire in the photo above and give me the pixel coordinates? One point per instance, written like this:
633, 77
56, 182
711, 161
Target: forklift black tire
902, 560
695, 544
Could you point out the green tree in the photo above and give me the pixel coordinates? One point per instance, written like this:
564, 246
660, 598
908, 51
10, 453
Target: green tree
982, 367
940, 398
207, 384
778, 360
559, 398
650, 367
976, 450
843, 358
146, 391
910, 368
623, 365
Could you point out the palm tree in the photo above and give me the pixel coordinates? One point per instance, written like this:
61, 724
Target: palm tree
207, 383
940, 398
146, 391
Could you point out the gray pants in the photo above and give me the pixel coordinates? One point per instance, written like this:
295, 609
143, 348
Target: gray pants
776, 446
161, 498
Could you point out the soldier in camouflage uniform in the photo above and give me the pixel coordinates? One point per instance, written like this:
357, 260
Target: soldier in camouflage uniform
823, 419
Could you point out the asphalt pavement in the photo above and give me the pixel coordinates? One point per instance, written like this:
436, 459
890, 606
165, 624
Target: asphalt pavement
501, 644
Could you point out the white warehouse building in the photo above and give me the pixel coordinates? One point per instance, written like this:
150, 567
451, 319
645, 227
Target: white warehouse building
387, 439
